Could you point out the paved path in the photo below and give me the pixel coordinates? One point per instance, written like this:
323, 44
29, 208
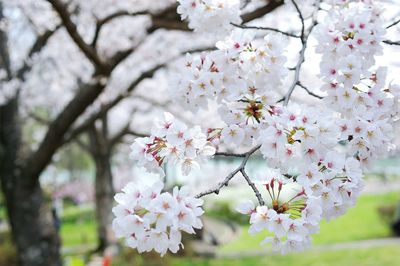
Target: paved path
363, 244
375, 186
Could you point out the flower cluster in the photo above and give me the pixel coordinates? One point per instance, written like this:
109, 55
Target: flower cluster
213, 16
315, 155
300, 148
348, 45
291, 218
171, 140
321, 152
242, 68
242, 76
149, 219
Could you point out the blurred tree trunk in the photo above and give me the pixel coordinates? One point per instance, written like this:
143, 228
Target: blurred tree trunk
100, 150
30, 220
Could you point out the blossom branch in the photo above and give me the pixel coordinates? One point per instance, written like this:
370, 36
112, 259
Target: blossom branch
304, 39
228, 178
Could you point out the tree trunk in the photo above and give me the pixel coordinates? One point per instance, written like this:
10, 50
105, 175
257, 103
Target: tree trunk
104, 201
104, 188
31, 224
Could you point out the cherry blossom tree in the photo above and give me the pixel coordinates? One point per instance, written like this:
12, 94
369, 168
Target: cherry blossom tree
316, 154
95, 55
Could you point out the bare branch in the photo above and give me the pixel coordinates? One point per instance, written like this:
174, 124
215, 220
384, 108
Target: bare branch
101, 22
391, 42
393, 24
262, 11
40, 42
308, 91
137, 134
228, 178
105, 108
251, 184
39, 159
265, 28
228, 154
89, 52
302, 21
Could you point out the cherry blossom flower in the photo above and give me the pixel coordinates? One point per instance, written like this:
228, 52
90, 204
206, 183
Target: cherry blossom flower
149, 219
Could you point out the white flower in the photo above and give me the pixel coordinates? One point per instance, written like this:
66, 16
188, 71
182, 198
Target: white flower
172, 141
153, 220
245, 207
233, 135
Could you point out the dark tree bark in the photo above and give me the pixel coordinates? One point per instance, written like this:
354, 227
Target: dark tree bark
100, 150
31, 222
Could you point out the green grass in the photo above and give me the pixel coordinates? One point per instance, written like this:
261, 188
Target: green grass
83, 233
359, 223
78, 227
387, 255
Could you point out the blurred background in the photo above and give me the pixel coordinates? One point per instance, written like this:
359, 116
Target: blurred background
79, 80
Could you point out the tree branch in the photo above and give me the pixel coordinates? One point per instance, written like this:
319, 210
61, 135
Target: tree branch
228, 154
39, 159
308, 91
251, 184
228, 178
265, 28
169, 19
393, 24
302, 36
72, 30
85, 125
260, 12
391, 42
40, 42
148, 74
304, 39
101, 22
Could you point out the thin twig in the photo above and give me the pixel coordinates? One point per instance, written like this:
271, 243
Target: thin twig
308, 91
266, 28
391, 42
253, 186
228, 178
228, 154
101, 22
304, 39
393, 24
302, 36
